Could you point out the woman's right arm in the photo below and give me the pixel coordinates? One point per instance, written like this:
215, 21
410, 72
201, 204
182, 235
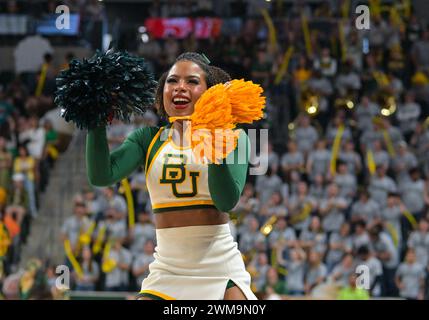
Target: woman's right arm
105, 168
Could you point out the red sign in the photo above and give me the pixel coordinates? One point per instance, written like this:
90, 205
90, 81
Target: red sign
180, 28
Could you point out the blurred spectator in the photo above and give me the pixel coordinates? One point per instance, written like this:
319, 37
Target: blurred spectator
274, 282
26, 165
51, 147
259, 267
116, 264
171, 49
333, 127
346, 182
419, 241
326, 64
113, 225
404, 161
305, 134
316, 272
300, 205
274, 207
365, 208
117, 133
91, 272
92, 201
366, 258
113, 200
332, 210
381, 156
380, 186
347, 80
250, 236
410, 277
261, 68
141, 233
318, 160
351, 291
351, 158
419, 51
314, 238
139, 189
302, 72
6, 161
295, 266
267, 184
75, 226
342, 271
248, 202
282, 236
384, 249
140, 267
293, 160
414, 193
33, 136
365, 111
391, 217
360, 236
340, 244
318, 188
408, 115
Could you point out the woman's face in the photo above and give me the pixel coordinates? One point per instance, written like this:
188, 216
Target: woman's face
22, 152
184, 84
86, 253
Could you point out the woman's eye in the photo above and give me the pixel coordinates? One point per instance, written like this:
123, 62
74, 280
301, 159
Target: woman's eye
171, 80
194, 81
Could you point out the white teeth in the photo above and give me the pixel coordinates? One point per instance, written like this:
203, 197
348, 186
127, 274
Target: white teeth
176, 100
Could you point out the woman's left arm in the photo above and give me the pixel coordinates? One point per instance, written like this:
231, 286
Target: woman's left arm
227, 180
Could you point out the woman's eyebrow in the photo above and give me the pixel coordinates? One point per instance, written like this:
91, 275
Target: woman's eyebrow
190, 76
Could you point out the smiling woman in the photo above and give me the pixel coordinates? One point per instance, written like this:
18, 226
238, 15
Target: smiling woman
196, 256
185, 83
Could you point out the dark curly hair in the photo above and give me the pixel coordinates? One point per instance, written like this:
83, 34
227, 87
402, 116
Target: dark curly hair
213, 76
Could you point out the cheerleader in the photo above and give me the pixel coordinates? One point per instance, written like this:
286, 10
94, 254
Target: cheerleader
196, 256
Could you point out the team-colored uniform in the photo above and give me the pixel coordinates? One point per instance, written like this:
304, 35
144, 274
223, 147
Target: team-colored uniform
194, 262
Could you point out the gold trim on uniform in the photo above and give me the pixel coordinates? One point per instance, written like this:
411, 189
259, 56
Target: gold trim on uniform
151, 145
155, 155
158, 294
181, 204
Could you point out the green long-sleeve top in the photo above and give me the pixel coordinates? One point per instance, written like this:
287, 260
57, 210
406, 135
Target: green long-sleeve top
225, 181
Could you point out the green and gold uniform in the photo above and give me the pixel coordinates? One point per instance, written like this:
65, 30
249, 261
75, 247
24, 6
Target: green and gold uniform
174, 180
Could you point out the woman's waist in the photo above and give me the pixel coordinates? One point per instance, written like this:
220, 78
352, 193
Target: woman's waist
190, 217
195, 247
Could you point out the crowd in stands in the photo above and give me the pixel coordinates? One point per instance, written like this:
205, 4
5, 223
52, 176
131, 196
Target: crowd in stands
347, 184
29, 147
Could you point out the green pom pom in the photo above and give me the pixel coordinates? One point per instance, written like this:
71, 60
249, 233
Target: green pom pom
108, 85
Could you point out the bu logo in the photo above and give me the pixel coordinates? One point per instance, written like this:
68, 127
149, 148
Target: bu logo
175, 173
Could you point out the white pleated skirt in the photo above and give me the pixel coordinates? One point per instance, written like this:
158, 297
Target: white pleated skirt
196, 263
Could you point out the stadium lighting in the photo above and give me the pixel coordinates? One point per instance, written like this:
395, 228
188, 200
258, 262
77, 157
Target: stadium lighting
145, 38
350, 104
312, 110
142, 29
385, 112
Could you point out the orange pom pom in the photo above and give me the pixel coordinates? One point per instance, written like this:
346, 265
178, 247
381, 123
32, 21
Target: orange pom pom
246, 99
216, 114
211, 133
213, 110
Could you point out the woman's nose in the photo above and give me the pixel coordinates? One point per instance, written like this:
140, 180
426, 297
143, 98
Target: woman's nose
180, 86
